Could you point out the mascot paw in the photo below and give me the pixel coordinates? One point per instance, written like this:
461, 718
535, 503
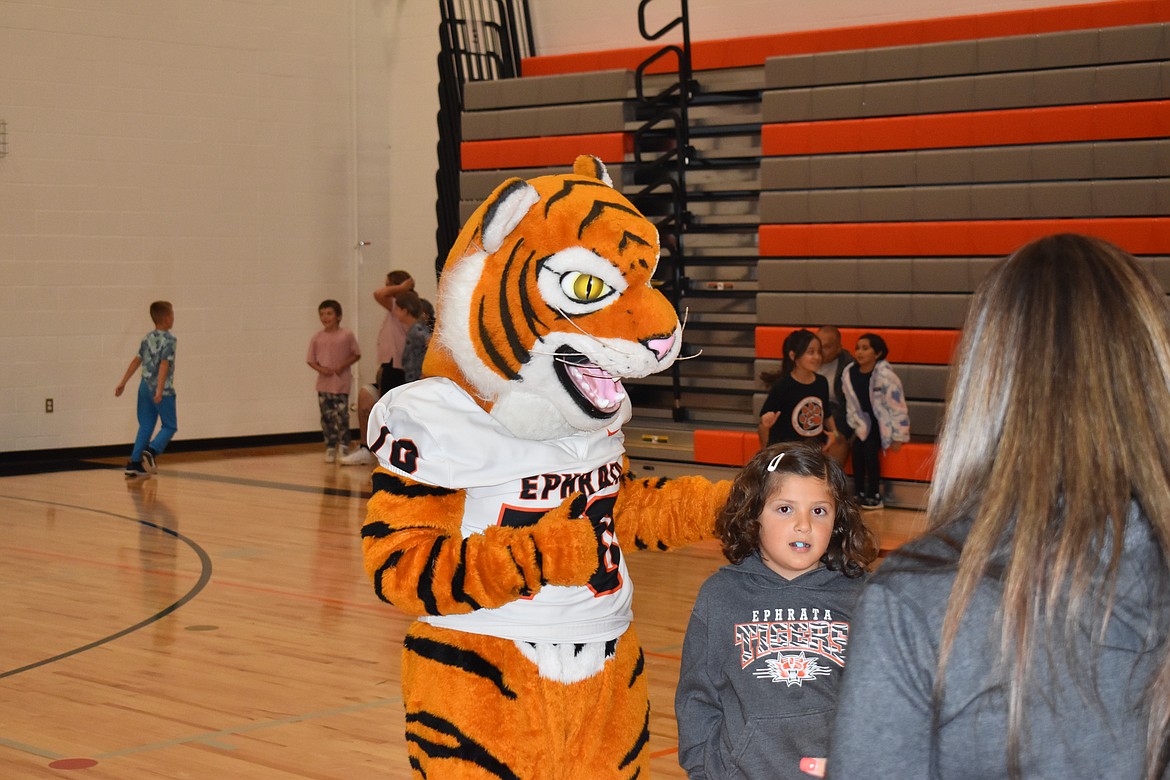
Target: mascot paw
568, 543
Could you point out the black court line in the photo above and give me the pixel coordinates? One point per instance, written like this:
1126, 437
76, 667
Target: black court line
20, 468
271, 485
204, 578
316, 490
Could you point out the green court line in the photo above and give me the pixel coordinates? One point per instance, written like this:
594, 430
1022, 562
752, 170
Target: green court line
34, 751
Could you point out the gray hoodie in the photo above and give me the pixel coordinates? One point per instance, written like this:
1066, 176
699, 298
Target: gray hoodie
760, 667
1084, 715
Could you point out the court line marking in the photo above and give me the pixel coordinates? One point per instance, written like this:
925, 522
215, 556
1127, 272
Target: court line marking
210, 737
261, 483
204, 578
30, 749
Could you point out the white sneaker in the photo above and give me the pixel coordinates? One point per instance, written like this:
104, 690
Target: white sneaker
330, 454
359, 457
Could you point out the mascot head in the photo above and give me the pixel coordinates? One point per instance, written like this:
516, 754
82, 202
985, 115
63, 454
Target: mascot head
545, 305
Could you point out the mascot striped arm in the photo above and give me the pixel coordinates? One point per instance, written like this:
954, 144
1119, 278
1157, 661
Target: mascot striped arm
503, 497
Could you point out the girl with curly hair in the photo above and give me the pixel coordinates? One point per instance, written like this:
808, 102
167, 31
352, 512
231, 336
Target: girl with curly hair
767, 637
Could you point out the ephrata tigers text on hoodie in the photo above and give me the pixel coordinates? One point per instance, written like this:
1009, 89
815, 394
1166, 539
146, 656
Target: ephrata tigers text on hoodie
761, 663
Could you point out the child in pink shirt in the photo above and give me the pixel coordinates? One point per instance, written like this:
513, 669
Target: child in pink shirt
331, 352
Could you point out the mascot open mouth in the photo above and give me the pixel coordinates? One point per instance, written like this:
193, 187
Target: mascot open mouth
597, 392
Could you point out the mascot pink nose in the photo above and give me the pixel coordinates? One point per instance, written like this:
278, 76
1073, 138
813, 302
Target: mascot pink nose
661, 347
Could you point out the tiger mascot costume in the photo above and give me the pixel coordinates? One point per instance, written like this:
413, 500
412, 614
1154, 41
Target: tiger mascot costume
503, 496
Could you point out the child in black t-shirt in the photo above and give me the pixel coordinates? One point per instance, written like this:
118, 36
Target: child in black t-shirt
796, 408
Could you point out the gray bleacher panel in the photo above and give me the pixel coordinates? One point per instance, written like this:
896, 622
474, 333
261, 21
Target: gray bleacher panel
548, 90
923, 382
477, 185
466, 207
938, 310
1060, 50
880, 311
796, 274
545, 121
1134, 42
1125, 159
1036, 200
863, 309
878, 205
925, 417
784, 309
884, 274
949, 274
701, 304
930, 203
786, 206
1043, 162
1051, 162
1160, 268
1139, 81
789, 172
1099, 84
1063, 199
989, 55
991, 201
1132, 197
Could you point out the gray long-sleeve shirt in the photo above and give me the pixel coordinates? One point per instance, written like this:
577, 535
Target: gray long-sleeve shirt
1084, 713
760, 668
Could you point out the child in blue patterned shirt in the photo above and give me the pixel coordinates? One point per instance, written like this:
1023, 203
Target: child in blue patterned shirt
156, 391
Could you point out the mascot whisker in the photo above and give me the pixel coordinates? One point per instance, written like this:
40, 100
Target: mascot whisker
503, 500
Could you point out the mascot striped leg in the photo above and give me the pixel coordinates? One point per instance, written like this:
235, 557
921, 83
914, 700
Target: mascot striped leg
475, 708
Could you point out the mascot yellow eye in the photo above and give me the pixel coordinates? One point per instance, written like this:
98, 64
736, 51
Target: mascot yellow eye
584, 288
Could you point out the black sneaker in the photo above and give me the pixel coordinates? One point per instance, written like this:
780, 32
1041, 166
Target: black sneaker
872, 502
148, 461
135, 470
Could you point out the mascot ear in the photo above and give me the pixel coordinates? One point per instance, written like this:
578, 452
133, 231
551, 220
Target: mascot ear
593, 167
506, 207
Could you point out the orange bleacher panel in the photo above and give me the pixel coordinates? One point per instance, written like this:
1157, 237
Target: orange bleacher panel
914, 462
725, 447
929, 347
988, 238
544, 152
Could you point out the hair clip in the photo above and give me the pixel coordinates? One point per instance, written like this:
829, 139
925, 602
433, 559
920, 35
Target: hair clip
775, 462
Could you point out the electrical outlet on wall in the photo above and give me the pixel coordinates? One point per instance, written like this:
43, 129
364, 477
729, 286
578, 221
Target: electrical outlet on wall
48, 406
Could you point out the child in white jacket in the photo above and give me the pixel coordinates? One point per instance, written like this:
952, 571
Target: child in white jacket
873, 393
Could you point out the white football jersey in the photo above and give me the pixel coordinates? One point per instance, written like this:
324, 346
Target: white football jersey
433, 432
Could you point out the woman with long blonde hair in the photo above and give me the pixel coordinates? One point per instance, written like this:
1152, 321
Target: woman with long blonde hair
1025, 635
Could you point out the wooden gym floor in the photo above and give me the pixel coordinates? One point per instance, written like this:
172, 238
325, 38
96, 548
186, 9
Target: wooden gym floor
214, 621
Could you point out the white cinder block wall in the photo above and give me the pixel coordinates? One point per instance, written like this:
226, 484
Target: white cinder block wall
212, 154
229, 156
